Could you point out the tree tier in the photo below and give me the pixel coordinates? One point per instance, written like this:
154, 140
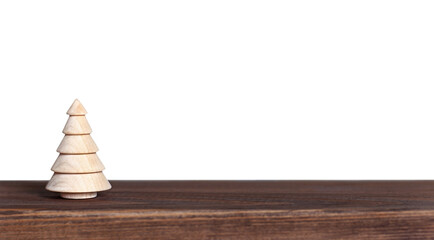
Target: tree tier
77, 125
77, 144
77, 163
78, 183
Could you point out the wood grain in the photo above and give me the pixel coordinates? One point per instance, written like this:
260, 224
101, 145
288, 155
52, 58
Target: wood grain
223, 210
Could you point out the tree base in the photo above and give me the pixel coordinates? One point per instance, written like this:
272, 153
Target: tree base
78, 195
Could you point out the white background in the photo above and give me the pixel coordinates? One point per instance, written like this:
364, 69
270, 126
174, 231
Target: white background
222, 89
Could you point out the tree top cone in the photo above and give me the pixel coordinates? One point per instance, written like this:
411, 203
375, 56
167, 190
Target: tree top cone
76, 109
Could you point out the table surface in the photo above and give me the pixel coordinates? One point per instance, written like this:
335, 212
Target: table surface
222, 210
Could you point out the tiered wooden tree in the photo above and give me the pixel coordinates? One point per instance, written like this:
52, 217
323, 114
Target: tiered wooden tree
77, 170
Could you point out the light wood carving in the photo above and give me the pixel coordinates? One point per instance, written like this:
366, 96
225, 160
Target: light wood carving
77, 170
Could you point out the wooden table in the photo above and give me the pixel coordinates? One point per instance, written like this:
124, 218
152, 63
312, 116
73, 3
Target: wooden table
223, 210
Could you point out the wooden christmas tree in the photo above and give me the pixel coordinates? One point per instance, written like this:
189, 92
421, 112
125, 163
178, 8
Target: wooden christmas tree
77, 170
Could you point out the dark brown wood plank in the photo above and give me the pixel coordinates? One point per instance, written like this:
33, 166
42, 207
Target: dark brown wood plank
223, 210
